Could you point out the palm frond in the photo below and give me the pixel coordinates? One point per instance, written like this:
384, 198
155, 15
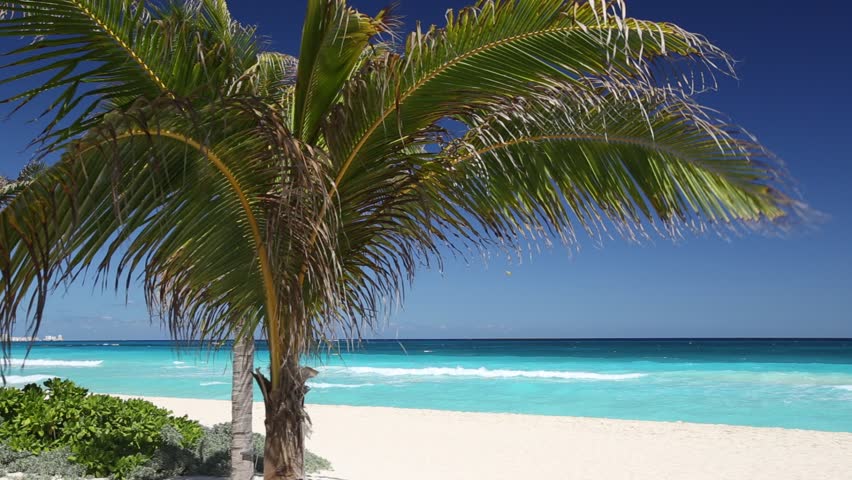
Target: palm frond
107, 53
386, 226
333, 41
610, 157
166, 191
272, 74
626, 158
485, 56
503, 48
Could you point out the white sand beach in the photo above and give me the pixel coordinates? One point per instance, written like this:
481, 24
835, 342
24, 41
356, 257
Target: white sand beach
377, 443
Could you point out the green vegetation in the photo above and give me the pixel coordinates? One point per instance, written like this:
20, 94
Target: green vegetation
44, 465
61, 429
106, 435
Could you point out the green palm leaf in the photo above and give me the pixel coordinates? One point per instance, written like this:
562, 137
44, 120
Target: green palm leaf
333, 41
106, 53
121, 195
502, 48
646, 158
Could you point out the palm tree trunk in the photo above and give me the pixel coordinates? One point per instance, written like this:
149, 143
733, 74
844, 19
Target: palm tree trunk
286, 422
242, 449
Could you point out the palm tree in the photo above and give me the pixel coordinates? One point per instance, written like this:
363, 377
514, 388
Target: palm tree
244, 199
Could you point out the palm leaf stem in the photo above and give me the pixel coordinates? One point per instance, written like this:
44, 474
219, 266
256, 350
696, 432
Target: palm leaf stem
118, 40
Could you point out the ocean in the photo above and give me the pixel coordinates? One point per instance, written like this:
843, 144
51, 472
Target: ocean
780, 383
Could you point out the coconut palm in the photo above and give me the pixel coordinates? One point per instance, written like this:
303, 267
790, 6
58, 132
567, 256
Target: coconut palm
247, 192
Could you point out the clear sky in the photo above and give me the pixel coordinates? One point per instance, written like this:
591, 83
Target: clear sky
793, 93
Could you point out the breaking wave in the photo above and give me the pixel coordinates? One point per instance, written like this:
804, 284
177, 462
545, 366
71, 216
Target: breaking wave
40, 362
25, 379
338, 385
484, 373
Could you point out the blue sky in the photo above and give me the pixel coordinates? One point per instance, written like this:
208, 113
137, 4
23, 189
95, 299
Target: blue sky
795, 70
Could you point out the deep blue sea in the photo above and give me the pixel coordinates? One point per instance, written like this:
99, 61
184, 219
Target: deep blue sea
783, 383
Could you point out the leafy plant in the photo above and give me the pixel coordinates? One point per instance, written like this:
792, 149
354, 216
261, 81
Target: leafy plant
61, 429
106, 435
46, 464
315, 463
210, 457
214, 450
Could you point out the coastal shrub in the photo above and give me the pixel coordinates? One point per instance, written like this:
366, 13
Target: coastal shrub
210, 457
62, 430
8, 455
214, 451
54, 463
106, 435
314, 463
172, 459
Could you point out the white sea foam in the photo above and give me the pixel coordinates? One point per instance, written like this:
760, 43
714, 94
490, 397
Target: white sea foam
844, 387
178, 363
206, 384
183, 367
485, 373
25, 379
41, 362
789, 378
338, 385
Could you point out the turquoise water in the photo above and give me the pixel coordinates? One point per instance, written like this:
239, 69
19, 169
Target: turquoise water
784, 383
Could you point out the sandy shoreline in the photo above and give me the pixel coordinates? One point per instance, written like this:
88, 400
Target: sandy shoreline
378, 443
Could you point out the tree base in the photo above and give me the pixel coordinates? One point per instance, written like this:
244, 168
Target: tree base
286, 422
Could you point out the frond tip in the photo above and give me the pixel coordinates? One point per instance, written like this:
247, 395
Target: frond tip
628, 158
101, 55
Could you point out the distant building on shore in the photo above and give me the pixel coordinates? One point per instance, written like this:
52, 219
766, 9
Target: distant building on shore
47, 338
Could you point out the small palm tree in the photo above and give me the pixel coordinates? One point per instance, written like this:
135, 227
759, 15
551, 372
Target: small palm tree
248, 192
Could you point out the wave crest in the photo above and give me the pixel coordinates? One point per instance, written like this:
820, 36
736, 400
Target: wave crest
41, 362
484, 373
26, 379
321, 385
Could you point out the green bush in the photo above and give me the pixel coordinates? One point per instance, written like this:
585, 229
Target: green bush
214, 450
63, 430
43, 465
106, 435
211, 457
314, 463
